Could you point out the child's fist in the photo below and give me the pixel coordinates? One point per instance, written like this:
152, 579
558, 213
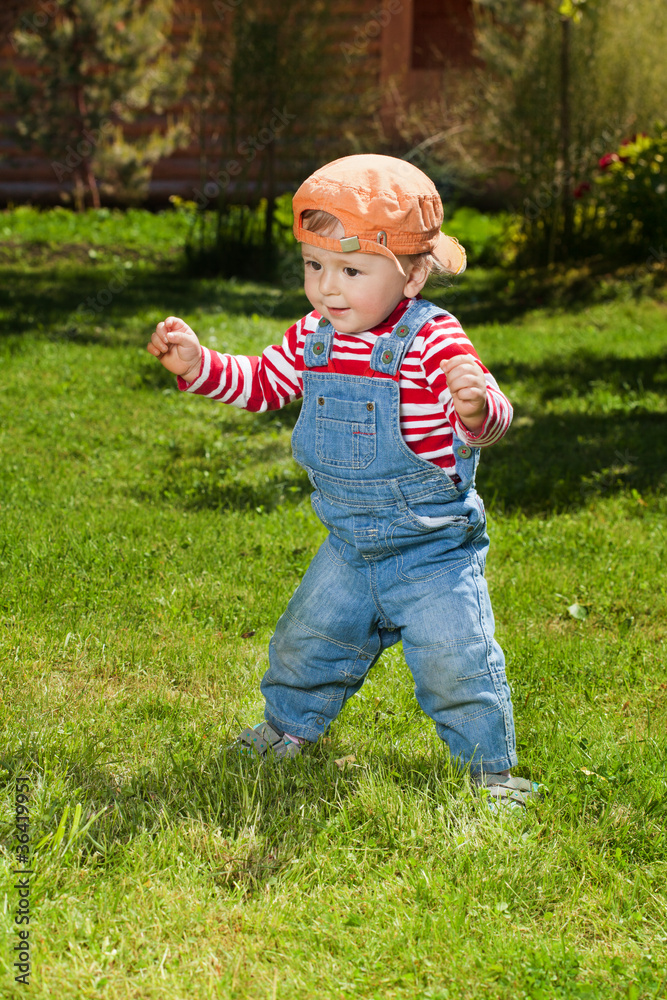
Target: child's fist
467, 385
177, 347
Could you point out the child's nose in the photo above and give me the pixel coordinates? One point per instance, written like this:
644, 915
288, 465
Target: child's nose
328, 283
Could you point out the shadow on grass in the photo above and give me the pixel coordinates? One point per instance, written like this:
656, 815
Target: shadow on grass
557, 461
554, 463
548, 461
265, 811
48, 300
70, 304
575, 376
229, 491
562, 462
243, 819
503, 294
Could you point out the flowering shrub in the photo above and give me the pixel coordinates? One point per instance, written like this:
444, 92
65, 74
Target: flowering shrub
626, 204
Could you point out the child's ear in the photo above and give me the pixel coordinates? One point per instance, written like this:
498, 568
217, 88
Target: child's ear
417, 276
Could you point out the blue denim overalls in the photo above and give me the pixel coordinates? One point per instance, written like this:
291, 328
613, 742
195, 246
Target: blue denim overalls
404, 560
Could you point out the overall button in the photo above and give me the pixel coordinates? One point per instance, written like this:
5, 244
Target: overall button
370, 406
318, 347
319, 720
402, 331
387, 356
320, 400
322, 321
464, 451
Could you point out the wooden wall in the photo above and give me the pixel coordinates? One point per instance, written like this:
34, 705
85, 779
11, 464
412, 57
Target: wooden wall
383, 31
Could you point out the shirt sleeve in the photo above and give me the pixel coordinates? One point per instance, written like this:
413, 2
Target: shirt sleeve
443, 339
262, 383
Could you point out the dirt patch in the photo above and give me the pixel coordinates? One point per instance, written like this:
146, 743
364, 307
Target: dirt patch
38, 253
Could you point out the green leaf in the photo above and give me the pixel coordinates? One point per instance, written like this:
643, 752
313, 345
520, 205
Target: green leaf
571, 9
60, 832
75, 825
578, 611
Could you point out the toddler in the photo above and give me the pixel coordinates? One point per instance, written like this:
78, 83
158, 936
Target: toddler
396, 407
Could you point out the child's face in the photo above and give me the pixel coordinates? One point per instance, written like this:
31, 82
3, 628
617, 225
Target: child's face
355, 291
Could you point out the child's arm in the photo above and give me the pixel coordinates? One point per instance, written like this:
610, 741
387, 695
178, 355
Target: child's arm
177, 347
473, 404
267, 382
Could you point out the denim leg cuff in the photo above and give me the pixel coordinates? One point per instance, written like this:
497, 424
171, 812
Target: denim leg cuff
293, 728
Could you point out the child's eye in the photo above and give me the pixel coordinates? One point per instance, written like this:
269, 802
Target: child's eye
351, 272
312, 263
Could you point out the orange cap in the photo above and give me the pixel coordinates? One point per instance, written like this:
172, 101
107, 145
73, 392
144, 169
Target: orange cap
385, 205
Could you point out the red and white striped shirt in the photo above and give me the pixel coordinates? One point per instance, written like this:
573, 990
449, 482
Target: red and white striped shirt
428, 417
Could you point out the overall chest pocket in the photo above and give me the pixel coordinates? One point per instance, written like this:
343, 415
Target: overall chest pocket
345, 432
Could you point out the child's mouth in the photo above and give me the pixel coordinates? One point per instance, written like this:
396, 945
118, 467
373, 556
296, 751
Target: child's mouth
338, 312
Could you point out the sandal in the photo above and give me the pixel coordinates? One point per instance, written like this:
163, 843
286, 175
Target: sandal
506, 790
263, 738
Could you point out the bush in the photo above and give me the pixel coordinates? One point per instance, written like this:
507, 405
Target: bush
238, 240
560, 84
625, 205
488, 239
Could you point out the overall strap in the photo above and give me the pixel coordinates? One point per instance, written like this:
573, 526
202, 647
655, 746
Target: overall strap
389, 351
317, 345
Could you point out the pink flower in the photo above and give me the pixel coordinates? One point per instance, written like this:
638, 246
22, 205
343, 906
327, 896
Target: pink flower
610, 158
606, 160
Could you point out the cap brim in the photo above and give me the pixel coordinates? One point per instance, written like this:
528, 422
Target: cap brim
449, 252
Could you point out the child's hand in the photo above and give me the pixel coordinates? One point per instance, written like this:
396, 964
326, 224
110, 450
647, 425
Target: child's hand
468, 388
177, 347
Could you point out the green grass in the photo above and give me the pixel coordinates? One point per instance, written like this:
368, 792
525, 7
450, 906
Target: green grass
25, 227
148, 543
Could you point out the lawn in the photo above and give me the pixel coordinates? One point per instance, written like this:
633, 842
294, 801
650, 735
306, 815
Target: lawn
148, 542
